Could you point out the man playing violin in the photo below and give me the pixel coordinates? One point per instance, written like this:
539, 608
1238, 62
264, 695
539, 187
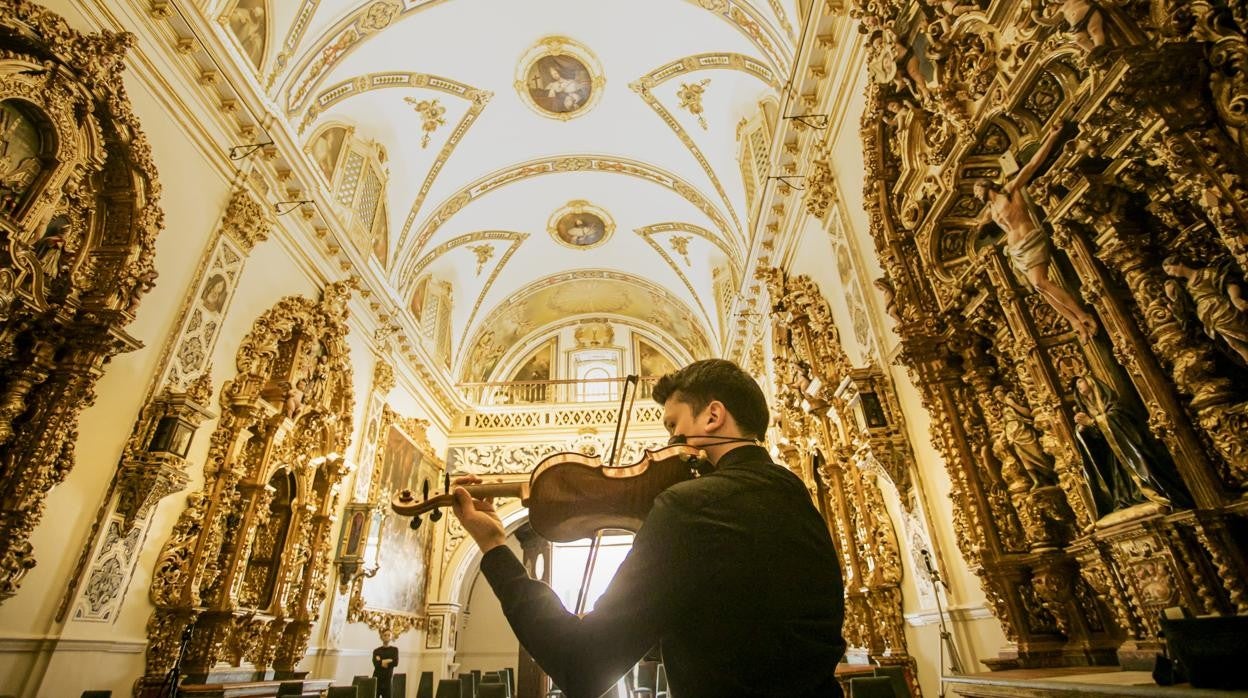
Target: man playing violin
733, 574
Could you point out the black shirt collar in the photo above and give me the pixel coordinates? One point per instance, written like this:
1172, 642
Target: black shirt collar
743, 455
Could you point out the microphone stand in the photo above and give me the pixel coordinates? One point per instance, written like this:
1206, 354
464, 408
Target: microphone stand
169, 689
946, 638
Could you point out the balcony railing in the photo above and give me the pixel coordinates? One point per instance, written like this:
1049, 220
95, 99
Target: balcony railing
551, 392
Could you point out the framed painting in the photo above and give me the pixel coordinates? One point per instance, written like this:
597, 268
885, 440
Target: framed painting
580, 225
559, 78
393, 600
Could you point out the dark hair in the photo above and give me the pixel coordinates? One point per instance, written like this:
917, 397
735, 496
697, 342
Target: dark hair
703, 381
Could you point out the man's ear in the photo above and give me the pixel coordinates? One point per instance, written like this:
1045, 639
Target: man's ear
715, 415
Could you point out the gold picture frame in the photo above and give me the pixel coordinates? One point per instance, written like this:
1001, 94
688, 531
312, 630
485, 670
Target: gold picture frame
559, 78
383, 600
580, 225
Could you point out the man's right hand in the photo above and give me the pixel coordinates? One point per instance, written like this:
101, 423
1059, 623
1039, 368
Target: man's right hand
478, 516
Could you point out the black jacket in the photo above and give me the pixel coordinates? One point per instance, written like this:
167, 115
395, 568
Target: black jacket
734, 574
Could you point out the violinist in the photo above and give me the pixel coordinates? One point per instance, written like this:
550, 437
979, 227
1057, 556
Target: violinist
733, 574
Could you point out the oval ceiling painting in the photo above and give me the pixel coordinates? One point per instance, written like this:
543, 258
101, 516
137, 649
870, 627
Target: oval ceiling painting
559, 78
580, 224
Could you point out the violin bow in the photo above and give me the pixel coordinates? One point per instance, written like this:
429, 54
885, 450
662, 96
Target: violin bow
628, 397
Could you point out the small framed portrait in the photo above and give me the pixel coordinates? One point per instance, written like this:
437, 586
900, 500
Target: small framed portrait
559, 78
580, 225
433, 633
215, 292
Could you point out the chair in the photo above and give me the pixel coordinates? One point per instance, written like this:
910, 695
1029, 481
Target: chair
343, 692
492, 677
97, 694
491, 689
448, 688
398, 686
424, 689
896, 674
290, 688
366, 685
467, 686
660, 682
647, 681
871, 687
510, 675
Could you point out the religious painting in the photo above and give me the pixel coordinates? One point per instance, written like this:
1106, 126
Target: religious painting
433, 633
214, 294
381, 235
417, 305
650, 361
402, 554
326, 148
580, 293
249, 22
20, 148
537, 366
581, 225
559, 78
351, 542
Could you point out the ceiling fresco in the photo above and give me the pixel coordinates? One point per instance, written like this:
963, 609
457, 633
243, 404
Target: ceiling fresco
580, 293
557, 136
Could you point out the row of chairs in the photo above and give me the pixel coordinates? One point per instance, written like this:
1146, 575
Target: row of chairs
888, 682
473, 684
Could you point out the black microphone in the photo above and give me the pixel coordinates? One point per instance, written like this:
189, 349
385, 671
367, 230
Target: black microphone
927, 562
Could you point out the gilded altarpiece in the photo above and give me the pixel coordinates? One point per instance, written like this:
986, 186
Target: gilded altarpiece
79, 216
839, 431
391, 597
153, 467
247, 564
1055, 192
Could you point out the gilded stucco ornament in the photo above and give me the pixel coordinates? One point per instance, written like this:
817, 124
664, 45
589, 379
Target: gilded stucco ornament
844, 420
79, 214
247, 561
1152, 167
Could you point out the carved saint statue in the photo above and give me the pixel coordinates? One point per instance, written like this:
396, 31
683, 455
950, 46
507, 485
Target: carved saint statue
1027, 240
19, 162
1024, 439
1086, 24
1128, 466
48, 248
1218, 298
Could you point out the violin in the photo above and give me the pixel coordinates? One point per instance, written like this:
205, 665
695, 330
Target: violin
571, 496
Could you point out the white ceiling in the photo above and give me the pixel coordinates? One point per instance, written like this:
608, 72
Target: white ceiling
478, 45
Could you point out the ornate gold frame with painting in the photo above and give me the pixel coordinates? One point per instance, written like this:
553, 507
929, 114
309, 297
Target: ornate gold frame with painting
580, 207
390, 622
580, 81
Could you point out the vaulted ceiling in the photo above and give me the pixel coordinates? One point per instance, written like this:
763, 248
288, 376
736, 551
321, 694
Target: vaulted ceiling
538, 143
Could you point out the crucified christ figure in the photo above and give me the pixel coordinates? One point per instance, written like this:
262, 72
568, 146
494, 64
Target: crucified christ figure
1026, 239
